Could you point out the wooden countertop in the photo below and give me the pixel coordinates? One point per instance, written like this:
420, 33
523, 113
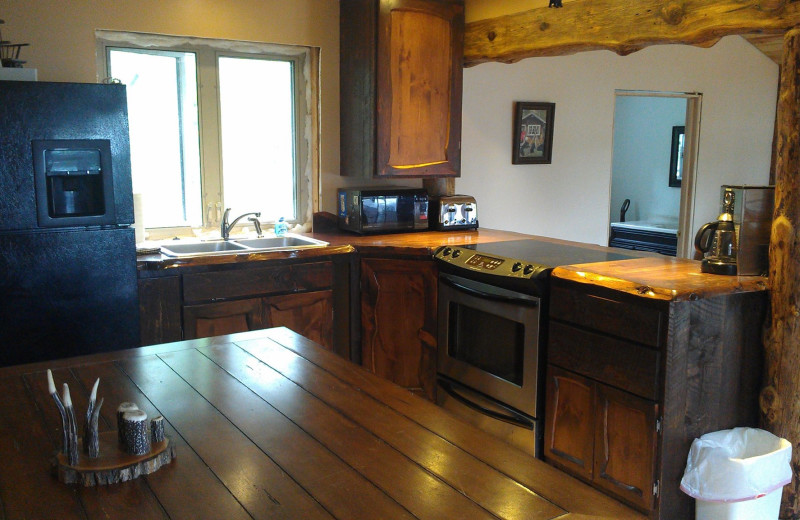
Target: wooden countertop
661, 278
268, 424
422, 242
418, 243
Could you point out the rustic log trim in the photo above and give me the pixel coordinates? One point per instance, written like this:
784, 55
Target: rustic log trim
622, 27
780, 407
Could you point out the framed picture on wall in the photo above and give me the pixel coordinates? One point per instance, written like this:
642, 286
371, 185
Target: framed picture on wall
533, 132
676, 157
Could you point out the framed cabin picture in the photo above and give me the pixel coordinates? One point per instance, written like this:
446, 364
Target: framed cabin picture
533, 132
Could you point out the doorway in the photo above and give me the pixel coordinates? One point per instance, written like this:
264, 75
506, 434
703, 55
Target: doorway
654, 170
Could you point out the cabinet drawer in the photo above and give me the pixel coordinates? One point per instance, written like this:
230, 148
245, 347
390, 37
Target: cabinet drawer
239, 283
621, 364
625, 320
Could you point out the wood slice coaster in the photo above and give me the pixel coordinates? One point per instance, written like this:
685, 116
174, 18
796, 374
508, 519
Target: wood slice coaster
113, 465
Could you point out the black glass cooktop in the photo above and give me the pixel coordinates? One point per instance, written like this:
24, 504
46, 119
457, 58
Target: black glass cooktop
547, 254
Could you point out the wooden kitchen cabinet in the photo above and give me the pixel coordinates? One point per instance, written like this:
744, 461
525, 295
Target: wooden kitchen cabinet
570, 417
398, 322
632, 380
159, 310
303, 309
313, 298
626, 430
214, 319
400, 84
602, 434
309, 314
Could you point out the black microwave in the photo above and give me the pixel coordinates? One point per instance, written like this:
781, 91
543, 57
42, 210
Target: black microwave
383, 210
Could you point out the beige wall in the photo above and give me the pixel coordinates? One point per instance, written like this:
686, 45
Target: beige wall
569, 198
62, 39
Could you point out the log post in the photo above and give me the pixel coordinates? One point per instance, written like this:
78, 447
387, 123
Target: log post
780, 397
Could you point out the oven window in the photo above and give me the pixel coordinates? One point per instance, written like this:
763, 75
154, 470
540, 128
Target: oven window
486, 341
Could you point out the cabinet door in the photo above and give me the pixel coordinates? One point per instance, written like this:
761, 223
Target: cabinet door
213, 319
569, 422
625, 445
160, 310
308, 314
398, 322
420, 49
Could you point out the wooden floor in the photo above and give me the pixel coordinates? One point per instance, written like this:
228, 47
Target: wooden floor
269, 425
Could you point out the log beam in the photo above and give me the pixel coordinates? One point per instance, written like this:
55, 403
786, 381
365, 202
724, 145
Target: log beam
622, 27
780, 397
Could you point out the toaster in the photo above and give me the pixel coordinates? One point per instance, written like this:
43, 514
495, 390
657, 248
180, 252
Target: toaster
453, 212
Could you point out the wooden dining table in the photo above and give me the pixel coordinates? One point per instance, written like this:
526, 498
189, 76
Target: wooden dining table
268, 424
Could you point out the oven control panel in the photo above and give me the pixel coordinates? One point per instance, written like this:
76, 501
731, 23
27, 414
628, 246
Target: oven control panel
489, 264
484, 262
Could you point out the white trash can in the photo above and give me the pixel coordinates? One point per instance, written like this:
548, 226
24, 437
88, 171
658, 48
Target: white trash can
737, 474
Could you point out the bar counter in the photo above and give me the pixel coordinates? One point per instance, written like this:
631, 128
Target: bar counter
267, 424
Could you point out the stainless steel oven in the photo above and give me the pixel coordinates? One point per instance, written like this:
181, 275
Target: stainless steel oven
492, 312
489, 358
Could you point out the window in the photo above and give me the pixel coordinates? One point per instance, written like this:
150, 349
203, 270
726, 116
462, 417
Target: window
216, 124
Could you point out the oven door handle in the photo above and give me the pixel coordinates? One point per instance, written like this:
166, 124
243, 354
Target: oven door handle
486, 295
511, 417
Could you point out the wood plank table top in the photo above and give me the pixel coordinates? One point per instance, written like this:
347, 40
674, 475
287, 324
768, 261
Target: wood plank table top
267, 424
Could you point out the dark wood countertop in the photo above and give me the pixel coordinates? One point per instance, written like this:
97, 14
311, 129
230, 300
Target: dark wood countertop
661, 278
267, 424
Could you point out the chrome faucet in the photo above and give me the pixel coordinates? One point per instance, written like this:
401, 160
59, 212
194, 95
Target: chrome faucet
257, 225
225, 228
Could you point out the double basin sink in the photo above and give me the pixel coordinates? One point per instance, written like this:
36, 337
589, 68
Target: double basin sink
242, 245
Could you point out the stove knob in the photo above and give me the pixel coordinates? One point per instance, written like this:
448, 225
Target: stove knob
456, 253
528, 270
447, 250
516, 267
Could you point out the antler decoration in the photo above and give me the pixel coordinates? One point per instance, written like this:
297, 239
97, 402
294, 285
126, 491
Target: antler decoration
51, 387
72, 432
87, 425
93, 445
69, 426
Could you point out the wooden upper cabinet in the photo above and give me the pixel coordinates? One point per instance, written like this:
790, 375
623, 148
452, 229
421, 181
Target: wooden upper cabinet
401, 81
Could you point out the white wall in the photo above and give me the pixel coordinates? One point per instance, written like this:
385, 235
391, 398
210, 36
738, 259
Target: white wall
641, 156
569, 198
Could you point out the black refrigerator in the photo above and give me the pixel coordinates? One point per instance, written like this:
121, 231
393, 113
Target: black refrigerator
67, 246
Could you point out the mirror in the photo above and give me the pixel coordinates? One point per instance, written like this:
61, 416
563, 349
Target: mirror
676, 157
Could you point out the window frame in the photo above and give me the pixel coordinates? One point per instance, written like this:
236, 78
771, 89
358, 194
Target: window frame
305, 67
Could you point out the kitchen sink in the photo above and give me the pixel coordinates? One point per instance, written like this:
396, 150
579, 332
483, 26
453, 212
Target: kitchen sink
243, 245
283, 242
